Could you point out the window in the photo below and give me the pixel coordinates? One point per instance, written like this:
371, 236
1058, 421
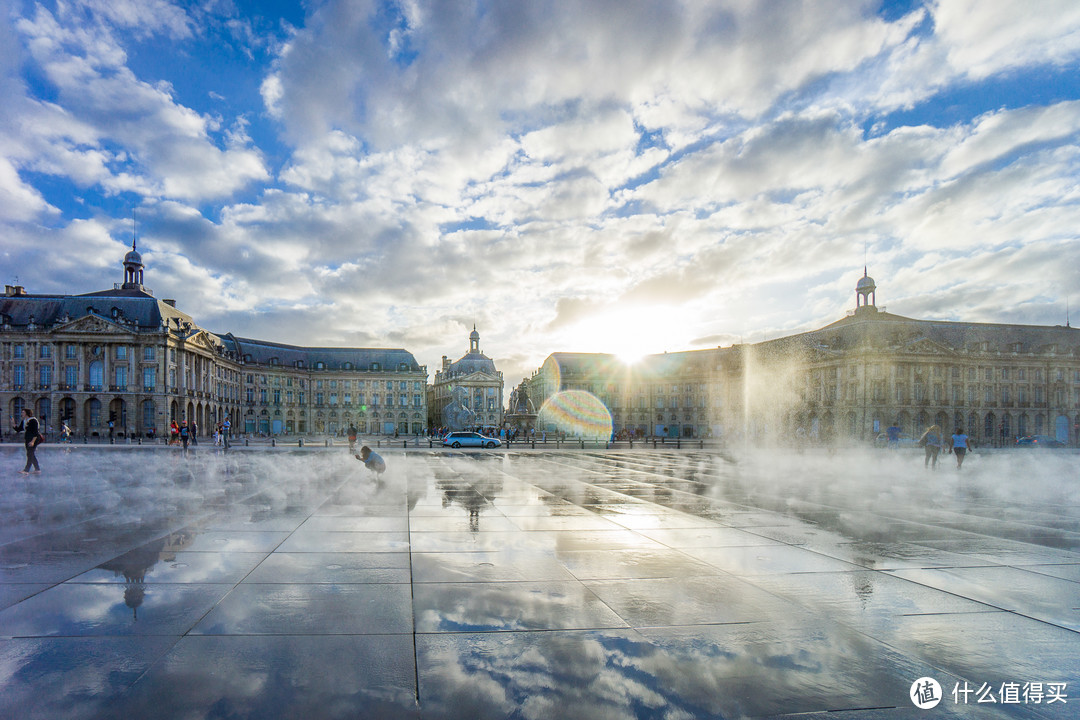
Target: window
45, 351
989, 375
348, 398
262, 396
149, 414
97, 374
71, 351
19, 352
416, 401
333, 398
149, 354
277, 397
94, 406
416, 386
121, 352
390, 385
333, 384
1021, 374
1004, 373
45, 376
288, 396
251, 395
71, 375
121, 376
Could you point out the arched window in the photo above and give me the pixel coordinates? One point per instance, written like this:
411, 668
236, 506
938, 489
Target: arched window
97, 374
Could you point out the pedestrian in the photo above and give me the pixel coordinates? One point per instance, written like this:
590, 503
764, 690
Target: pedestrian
352, 438
174, 432
65, 433
185, 434
372, 460
961, 443
194, 431
31, 439
931, 443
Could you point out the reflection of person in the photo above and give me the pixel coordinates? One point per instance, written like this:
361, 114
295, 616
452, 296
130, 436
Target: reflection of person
184, 434
931, 442
893, 435
372, 460
352, 438
31, 439
960, 445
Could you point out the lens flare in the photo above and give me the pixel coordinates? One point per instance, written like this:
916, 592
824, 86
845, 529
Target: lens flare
575, 412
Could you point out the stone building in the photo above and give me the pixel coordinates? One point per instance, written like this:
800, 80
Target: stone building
847, 381
125, 357
472, 383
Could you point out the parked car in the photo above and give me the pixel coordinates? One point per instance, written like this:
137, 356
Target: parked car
1039, 441
470, 439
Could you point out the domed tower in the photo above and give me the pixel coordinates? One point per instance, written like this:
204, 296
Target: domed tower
865, 292
474, 341
133, 270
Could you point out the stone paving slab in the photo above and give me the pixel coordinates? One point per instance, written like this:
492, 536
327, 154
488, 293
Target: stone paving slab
136, 582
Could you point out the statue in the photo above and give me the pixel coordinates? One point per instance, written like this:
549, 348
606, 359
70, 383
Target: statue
457, 415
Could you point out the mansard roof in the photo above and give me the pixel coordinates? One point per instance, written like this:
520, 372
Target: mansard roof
877, 328
269, 353
136, 309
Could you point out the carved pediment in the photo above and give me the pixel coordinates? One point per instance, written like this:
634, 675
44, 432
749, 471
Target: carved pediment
925, 346
202, 339
93, 324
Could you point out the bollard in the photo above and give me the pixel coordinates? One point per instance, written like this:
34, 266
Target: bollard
582, 443
678, 444
246, 442
654, 444
631, 443
534, 443
140, 440
273, 442
326, 443
301, 442
701, 444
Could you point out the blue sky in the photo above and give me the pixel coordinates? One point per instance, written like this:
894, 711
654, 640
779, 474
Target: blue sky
632, 176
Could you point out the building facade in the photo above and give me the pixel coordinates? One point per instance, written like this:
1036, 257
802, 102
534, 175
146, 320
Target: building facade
847, 381
121, 362
467, 392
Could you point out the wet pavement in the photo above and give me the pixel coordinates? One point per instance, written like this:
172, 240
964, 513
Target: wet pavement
576, 584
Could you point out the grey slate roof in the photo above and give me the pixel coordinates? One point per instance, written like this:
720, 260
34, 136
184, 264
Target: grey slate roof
144, 312
883, 329
261, 351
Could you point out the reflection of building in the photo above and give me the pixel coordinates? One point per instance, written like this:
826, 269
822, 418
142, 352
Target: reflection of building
124, 356
472, 382
850, 379
135, 564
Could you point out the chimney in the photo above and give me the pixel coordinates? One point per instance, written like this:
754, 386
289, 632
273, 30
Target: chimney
445, 362
170, 302
14, 290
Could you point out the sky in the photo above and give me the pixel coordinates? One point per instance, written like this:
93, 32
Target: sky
625, 176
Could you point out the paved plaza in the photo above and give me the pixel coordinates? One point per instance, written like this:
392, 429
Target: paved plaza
139, 583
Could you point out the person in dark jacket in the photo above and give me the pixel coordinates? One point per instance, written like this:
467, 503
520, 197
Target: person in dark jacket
31, 439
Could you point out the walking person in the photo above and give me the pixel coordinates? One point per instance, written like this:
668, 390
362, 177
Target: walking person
931, 442
185, 434
194, 430
961, 443
31, 439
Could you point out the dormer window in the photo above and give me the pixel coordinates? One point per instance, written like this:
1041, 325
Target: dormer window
320, 365
300, 363
375, 367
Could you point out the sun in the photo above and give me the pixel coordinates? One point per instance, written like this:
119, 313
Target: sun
630, 334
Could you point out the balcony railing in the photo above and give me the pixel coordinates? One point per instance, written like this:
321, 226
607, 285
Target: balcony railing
118, 388
92, 388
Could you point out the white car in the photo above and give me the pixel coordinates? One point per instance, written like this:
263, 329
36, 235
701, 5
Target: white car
470, 439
